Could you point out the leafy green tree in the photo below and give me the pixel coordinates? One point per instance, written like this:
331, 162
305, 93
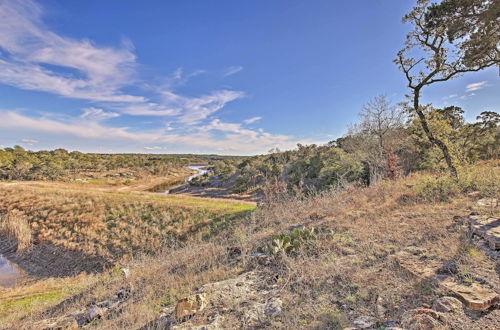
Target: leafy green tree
474, 25
430, 56
467, 142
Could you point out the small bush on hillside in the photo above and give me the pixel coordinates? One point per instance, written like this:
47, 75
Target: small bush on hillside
436, 189
485, 180
291, 242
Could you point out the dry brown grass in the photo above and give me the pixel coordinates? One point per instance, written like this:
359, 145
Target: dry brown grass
107, 224
15, 226
346, 272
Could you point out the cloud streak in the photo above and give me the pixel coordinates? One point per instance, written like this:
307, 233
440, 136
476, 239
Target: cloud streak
87, 129
29, 141
232, 70
252, 120
196, 109
92, 72
97, 114
476, 86
217, 136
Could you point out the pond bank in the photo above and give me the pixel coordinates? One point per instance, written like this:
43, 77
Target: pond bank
9, 273
43, 261
201, 170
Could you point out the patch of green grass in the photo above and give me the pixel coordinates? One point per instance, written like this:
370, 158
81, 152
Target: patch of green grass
212, 205
474, 252
350, 298
26, 304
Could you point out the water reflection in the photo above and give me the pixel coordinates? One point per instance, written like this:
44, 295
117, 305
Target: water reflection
201, 169
9, 273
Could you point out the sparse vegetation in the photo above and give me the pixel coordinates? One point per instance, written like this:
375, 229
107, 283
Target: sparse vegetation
346, 263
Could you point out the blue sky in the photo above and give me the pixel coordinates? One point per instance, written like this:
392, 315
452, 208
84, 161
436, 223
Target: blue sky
222, 76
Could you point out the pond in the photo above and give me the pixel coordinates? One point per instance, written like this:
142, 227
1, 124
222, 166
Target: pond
9, 273
201, 169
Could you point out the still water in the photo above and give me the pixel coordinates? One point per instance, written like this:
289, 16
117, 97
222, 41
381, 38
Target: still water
201, 169
9, 273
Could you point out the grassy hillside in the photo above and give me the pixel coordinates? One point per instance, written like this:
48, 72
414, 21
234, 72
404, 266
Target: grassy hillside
346, 268
110, 224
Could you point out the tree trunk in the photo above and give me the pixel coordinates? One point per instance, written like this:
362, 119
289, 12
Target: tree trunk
440, 144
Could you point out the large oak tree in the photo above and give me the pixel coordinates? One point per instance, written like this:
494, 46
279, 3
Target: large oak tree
448, 39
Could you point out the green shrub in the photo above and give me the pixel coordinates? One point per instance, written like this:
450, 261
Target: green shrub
485, 180
436, 189
286, 243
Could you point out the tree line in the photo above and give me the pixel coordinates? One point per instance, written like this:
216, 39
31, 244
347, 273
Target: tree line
19, 164
386, 143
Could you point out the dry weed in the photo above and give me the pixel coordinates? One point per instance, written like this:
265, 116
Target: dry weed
15, 226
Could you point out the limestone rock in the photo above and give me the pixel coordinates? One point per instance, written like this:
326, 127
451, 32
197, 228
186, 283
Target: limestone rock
365, 322
62, 323
380, 308
243, 300
125, 272
273, 308
447, 304
487, 228
476, 297
95, 312
487, 202
421, 319
189, 306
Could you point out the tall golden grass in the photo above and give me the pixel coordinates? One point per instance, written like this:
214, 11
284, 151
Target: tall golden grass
15, 226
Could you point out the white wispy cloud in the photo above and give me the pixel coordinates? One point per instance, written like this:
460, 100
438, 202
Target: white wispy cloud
476, 86
451, 96
153, 148
195, 109
29, 141
147, 109
95, 73
31, 52
34, 57
232, 70
10, 120
179, 78
466, 96
97, 114
252, 120
217, 136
